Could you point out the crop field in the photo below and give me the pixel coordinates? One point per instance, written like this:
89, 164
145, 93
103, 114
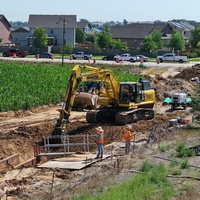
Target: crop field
27, 85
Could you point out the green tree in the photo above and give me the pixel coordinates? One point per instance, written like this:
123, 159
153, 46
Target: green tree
195, 37
104, 39
40, 38
68, 48
80, 35
176, 42
118, 44
84, 20
97, 49
152, 43
90, 38
157, 38
149, 45
1, 39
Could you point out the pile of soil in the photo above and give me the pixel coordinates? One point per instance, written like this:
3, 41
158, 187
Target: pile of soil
189, 73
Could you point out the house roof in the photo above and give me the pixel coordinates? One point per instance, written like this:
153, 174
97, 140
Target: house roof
54, 21
135, 30
2, 16
140, 30
187, 25
84, 24
19, 28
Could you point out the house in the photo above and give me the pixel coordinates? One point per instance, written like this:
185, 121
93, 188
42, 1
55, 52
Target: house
85, 26
5, 30
20, 35
135, 33
96, 31
59, 28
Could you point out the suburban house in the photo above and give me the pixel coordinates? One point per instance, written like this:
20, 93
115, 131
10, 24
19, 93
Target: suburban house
5, 30
135, 33
20, 35
59, 28
85, 26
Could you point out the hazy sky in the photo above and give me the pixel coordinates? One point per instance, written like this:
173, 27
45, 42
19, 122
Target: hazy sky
104, 10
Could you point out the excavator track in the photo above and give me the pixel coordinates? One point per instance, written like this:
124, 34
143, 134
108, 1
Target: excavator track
120, 117
134, 116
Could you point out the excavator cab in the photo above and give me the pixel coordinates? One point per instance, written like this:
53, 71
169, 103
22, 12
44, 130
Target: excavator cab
130, 93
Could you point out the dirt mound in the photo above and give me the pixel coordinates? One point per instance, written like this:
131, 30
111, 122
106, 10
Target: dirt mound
189, 73
174, 85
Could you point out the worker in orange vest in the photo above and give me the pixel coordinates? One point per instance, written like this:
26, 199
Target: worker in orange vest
128, 137
100, 141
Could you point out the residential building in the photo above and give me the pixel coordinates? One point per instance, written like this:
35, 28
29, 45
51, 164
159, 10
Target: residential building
5, 30
134, 34
59, 28
85, 26
20, 35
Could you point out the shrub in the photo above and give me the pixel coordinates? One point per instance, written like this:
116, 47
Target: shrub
146, 166
185, 164
197, 51
190, 55
173, 163
182, 151
164, 148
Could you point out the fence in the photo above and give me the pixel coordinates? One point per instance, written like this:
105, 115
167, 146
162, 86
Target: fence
67, 141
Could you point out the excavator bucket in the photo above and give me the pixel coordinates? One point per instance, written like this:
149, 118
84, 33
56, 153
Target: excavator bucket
85, 100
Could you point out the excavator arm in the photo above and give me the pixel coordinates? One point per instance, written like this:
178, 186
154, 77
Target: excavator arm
110, 94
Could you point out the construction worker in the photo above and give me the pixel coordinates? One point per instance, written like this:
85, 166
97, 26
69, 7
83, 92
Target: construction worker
128, 137
100, 141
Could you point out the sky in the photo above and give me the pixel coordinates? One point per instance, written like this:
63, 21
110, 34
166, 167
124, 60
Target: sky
104, 10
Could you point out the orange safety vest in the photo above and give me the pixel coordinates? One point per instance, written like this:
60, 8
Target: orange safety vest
100, 138
127, 135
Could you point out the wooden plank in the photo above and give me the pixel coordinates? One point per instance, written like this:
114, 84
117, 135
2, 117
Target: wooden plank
68, 163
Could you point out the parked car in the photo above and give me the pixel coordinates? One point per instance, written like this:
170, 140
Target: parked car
80, 54
109, 57
125, 57
145, 59
15, 52
45, 55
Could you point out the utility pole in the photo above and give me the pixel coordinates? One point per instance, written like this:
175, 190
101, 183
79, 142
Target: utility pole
64, 20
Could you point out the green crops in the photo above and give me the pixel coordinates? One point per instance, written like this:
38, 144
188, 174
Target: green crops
27, 85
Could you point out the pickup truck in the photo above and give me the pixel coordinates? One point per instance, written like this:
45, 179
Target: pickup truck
17, 52
81, 55
172, 57
126, 57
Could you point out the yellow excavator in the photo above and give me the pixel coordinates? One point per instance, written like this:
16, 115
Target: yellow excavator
126, 102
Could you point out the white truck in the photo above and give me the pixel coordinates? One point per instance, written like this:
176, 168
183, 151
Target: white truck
172, 57
81, 55
126, 57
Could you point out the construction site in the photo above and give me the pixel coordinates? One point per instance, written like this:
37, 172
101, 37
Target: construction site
32, 167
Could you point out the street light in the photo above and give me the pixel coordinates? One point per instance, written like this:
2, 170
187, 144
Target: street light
64, 20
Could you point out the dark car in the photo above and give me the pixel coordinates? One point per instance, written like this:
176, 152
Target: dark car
45, 55
109, 57
145, 59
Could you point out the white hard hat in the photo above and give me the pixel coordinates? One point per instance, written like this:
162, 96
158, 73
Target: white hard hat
129, 126
99, 128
